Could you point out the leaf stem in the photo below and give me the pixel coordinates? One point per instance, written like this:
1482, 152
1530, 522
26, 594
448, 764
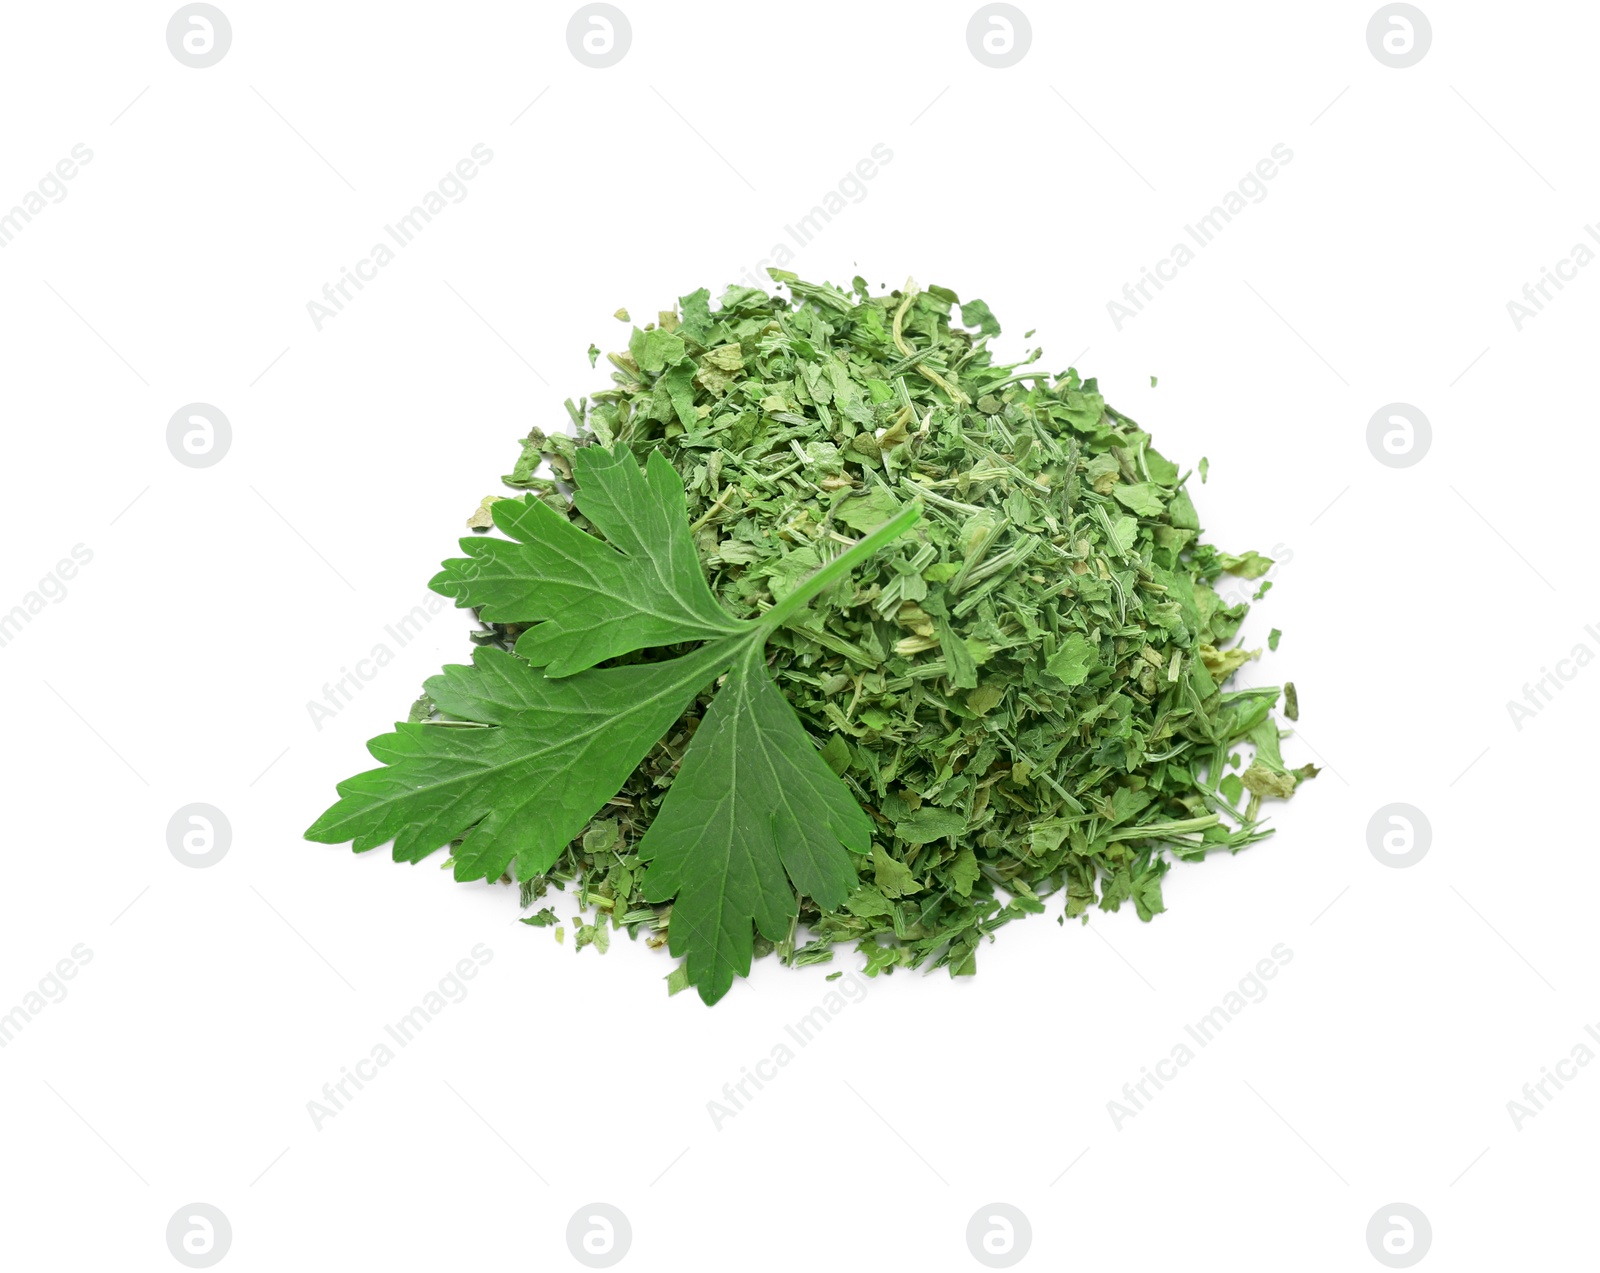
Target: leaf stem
1163, 830
840, 566
912, 292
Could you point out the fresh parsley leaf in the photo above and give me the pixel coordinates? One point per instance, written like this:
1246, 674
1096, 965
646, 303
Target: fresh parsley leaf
752, 802
589, 601
531, 744
517, 790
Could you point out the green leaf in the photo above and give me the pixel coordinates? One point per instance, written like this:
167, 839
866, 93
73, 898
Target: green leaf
549, 753
1182, 513
977, 314
892, 876
592, 600
1250, 565
958, 657
526, 757
1162, 470
929, 823
1140, 497
788, 572
1262, 781
867, 901
677, 382
655, 349
1071, 662
753, 803
981, 701
870, 511
696, 321
1147, 890
964, 872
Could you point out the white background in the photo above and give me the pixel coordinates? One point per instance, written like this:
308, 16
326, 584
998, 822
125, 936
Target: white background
1415, 602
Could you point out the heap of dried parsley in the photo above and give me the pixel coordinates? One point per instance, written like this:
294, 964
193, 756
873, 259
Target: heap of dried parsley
1027, 695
